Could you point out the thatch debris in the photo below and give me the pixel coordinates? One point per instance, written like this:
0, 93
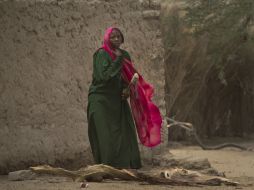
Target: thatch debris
169, 176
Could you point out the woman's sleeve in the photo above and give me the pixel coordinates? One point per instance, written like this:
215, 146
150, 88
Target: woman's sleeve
104, 69
127, 55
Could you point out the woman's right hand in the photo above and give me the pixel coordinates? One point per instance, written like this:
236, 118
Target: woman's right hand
117, 52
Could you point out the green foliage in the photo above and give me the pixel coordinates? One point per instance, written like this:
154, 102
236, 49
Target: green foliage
224, 21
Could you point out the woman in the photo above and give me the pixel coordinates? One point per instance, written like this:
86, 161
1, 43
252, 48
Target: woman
111, 128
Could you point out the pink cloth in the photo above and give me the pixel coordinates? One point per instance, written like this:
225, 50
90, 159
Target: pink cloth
145, 113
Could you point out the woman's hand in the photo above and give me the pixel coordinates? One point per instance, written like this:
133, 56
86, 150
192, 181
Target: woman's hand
125, 93
117, 52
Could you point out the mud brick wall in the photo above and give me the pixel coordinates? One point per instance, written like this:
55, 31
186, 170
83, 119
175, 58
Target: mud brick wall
46, 49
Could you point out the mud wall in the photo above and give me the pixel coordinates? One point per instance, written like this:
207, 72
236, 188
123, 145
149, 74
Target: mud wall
209, 66
46, 50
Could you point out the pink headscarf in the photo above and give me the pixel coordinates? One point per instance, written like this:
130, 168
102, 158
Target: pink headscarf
145, 113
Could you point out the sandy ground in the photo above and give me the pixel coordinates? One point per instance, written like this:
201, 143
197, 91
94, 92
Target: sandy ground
237, 165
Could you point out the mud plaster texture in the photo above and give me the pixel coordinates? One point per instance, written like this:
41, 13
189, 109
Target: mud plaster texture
46, 50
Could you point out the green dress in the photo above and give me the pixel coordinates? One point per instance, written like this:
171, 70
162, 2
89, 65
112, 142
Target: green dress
111, 128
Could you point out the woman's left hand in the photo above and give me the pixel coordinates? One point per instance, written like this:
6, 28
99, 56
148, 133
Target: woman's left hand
125, 93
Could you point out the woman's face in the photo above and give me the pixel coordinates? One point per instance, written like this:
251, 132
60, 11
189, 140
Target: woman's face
115, 39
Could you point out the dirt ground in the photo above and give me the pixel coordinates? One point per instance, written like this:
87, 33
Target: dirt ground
237, 165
